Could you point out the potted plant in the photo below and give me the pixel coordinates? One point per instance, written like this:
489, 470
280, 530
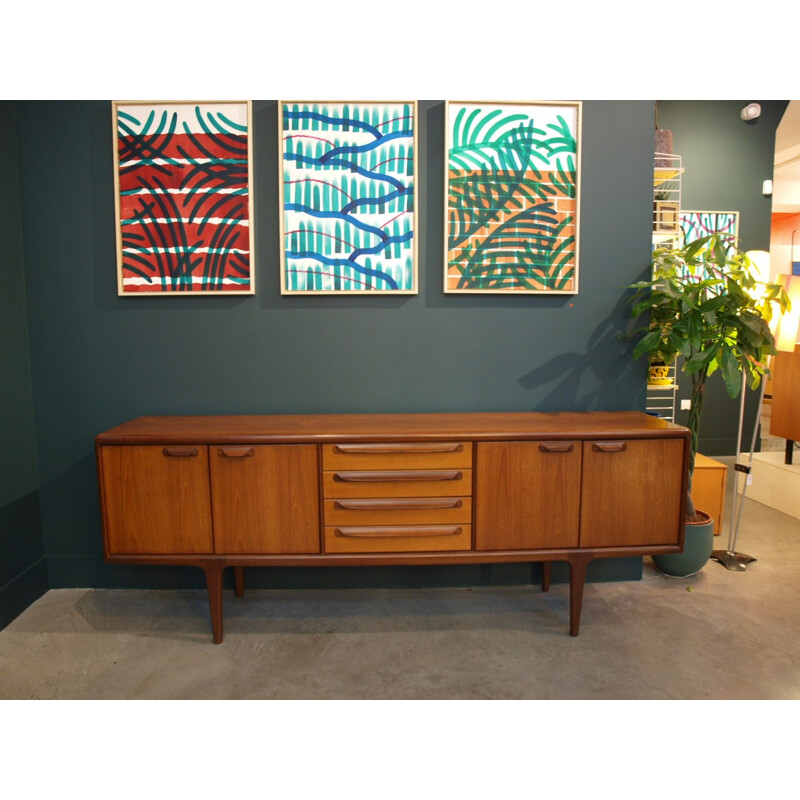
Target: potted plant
659, 362
706, 305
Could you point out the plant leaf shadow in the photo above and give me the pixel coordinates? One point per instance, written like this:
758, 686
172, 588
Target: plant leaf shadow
598, 377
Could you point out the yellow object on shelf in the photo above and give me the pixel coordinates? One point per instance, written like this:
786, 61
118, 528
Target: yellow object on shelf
662, 175
659, 376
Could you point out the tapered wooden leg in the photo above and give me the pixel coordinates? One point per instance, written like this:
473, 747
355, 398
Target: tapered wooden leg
238, 580
213, 570
547, 574
578, 562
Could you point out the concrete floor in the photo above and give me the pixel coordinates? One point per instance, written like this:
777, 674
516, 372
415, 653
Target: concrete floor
718, 634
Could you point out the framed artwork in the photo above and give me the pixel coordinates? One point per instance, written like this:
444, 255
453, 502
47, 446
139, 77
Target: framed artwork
184, 203
347, 197
666, 217
512, 197
697, 224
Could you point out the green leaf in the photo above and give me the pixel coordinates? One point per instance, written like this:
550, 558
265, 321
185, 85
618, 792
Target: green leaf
719, 252
698, 244
731, 372
701, 359
648, 344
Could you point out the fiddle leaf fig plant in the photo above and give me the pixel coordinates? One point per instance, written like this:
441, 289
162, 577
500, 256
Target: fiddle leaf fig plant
706, 305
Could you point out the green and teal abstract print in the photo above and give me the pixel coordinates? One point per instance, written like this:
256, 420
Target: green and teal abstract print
512, 197
348, 205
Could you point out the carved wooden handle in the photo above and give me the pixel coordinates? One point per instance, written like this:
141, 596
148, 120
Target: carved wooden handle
609, 447
398, 504
395, 532
237, 452
387, 476
402, 447
177, 451
557, 447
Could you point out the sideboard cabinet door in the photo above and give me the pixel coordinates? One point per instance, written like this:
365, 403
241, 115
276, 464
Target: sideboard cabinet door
157, 499
631, 492
527, 495
265, 499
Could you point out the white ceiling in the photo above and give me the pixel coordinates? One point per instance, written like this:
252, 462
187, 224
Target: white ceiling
786, 172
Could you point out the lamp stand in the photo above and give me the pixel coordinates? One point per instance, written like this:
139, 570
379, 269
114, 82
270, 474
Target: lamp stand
729, 558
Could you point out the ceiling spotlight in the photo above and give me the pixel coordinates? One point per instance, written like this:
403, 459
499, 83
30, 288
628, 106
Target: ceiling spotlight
751, 111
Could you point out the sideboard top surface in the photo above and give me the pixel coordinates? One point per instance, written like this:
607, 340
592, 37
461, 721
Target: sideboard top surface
290, 428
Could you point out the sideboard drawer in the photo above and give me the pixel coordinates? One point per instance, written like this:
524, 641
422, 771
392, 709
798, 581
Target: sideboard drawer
398, 510
397, 455
397, 538
397, 483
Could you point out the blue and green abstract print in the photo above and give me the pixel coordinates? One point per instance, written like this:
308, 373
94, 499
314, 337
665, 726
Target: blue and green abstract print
348, 198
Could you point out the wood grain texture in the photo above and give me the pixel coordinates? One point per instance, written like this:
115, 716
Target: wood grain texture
785, 414
267, 502
397, 539
632, 496
408, 456
525, 497
397, 483
156, 503
486, 426
398, 511
708, 488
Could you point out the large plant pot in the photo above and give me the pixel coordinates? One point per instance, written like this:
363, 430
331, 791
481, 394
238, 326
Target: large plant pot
698, 544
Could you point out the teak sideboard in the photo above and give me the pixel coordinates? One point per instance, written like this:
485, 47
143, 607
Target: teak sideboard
369, 489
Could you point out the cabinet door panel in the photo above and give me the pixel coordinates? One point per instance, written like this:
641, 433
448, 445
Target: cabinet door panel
527, 495
157, 499
266, 499
631, 492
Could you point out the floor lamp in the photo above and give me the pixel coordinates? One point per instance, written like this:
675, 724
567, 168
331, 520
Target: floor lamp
785, 329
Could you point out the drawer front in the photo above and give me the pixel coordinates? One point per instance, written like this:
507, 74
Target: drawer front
398, 510
397, 455
397, 539
397, 483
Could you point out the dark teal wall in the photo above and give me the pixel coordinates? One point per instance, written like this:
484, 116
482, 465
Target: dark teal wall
726, 161
99, 360
23, 575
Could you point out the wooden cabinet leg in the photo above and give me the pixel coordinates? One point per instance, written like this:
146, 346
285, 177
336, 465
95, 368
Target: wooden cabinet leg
238, 580
213, 570
578, 562
547, 574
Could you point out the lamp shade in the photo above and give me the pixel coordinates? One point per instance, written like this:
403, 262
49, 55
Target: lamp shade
787, 325
760, 259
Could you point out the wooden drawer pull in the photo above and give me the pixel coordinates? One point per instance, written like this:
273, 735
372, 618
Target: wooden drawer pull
609, 447
557, 447
396, 532
404, 475
406, 447
398, 504
237, 452
181, 452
